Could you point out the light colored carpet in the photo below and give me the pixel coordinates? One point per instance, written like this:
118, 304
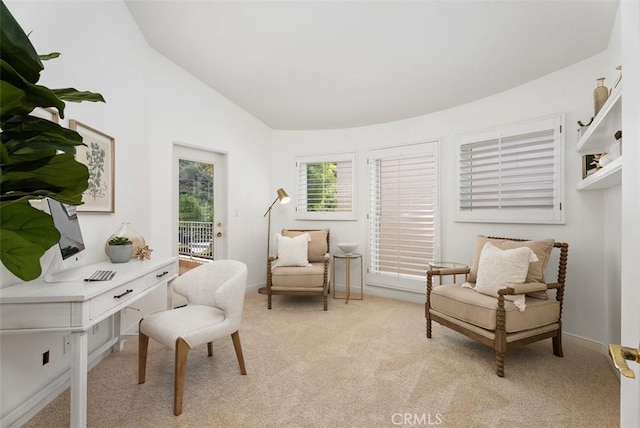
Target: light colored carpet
365, 364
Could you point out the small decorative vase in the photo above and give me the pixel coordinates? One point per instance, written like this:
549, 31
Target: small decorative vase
600, 95
125, 230
119, 253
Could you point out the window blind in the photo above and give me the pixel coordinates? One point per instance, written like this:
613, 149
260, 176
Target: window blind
403, 215
513, 176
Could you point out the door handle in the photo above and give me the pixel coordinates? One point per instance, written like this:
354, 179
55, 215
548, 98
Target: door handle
619, 355
219, 235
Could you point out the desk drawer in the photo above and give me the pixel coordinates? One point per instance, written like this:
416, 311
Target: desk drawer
102, 303
161, 274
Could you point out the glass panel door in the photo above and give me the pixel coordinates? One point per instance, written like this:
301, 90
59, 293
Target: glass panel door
200, 223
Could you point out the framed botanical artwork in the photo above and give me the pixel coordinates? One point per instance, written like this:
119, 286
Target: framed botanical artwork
99, 157
49, 114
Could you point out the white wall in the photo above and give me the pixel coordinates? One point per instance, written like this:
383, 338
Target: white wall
567, 91
150, 104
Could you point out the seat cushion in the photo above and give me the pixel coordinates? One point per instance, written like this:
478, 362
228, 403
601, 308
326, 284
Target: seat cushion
480, 310
306, 276
196, 324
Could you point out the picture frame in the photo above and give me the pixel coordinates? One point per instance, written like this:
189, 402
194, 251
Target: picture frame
587, 165
99, 157
49, 114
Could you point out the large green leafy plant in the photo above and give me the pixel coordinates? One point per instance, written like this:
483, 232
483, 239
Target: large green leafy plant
36, 157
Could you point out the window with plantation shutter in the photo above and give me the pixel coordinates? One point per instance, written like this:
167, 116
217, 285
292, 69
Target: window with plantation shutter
325, 187
403, 215
513, 174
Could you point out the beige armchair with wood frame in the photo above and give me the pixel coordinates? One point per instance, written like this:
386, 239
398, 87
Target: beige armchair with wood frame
300, 274
515, 313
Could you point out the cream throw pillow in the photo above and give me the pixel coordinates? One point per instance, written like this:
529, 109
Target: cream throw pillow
498, 268
293, 251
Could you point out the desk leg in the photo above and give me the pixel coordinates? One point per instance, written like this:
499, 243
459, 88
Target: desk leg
80, 348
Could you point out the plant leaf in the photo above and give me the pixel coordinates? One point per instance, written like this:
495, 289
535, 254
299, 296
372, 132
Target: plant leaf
26, 234
47, 57
61, 175
17, 50
73, 95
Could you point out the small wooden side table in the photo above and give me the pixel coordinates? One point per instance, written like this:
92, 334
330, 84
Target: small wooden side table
441, 269
346, 258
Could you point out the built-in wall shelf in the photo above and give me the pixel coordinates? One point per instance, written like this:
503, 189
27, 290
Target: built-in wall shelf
599, 135
598, 138
608, 176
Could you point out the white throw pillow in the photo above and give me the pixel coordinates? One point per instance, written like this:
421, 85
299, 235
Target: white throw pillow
293, 251
497, 268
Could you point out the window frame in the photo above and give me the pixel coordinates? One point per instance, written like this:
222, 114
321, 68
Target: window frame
516, 215
400, 281
299, 184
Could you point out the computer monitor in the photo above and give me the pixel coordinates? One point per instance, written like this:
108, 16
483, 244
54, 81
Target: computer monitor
69, 251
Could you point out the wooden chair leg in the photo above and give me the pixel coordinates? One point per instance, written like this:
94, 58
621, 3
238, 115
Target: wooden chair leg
269, 301
325, 302
557, 344
182, 351
210, 348
143, 345
500, 364
236, 345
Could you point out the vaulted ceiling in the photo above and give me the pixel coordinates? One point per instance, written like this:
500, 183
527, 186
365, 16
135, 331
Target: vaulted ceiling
336, 64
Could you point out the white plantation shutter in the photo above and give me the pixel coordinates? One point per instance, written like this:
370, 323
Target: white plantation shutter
512, 175
325, 187
403, 215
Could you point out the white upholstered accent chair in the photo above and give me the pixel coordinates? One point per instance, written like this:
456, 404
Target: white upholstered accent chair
495, 320
215, 292
308, 279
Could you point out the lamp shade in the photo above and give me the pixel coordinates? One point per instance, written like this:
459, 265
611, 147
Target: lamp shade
282, 196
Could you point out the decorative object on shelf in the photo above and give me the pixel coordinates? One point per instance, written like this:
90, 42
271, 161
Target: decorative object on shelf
590, 164
619, 78
143, 253
615, 151
348, 248
600, 95
582, 128
119, 249
604, 160
99, 157
126, 231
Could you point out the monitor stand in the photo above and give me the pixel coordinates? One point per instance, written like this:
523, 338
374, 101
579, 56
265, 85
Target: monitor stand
55, 274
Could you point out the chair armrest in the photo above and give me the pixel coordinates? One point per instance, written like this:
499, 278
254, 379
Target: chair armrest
555, 285
449, 271
525, 288
327, 256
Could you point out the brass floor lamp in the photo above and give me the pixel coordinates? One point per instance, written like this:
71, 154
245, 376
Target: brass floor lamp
284, 199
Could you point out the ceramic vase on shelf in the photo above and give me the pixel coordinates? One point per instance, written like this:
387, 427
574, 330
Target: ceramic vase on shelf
600, 95
125, 230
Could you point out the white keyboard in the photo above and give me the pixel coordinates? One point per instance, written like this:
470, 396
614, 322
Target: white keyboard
101, 275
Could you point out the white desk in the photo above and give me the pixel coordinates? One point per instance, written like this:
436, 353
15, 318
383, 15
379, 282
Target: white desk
76, 306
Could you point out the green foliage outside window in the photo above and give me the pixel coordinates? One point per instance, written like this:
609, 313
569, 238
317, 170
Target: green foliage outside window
322, 180
196, 191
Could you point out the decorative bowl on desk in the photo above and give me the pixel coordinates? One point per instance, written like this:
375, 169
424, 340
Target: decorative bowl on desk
348, 247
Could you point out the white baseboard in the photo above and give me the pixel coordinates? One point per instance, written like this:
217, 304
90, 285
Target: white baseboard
594, 346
